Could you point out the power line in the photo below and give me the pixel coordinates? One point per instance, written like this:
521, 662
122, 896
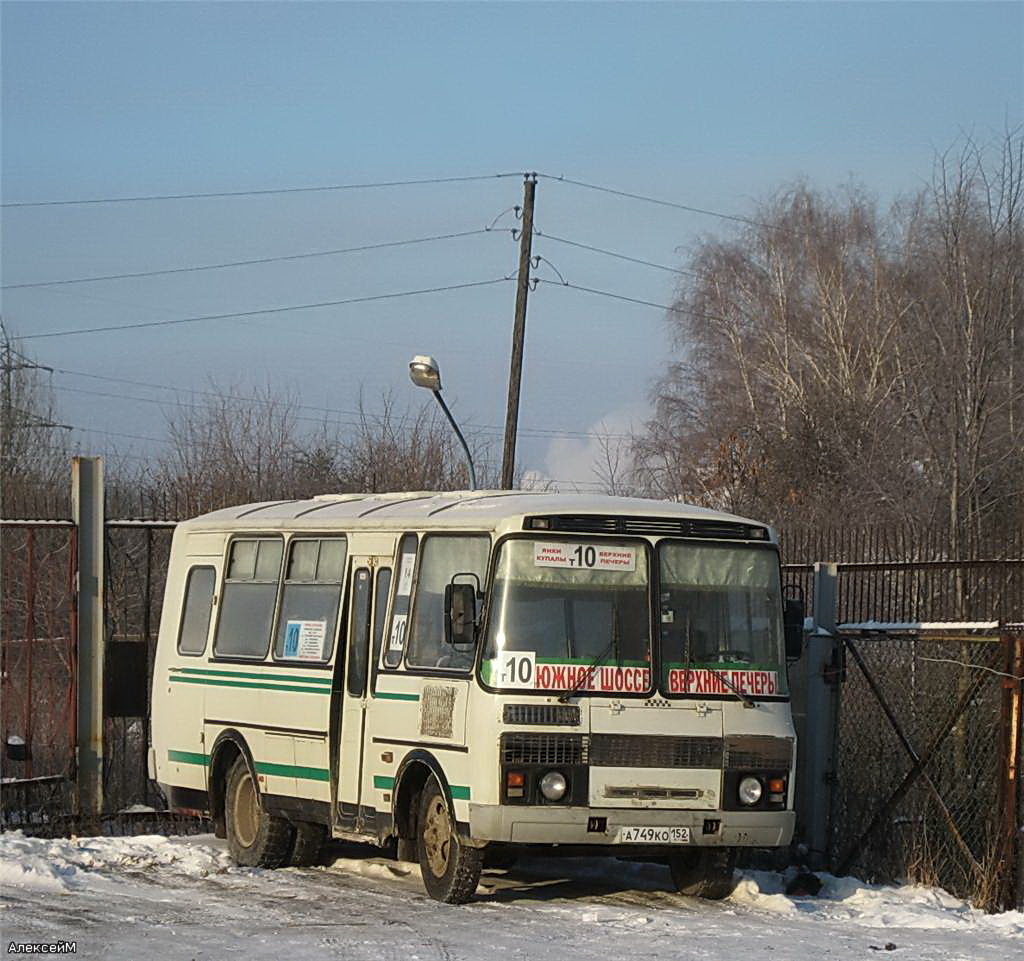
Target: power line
493, 429
259, 193
114, 433
612, 253
614, 296
633, 300
255, 261
664, 203
264, 311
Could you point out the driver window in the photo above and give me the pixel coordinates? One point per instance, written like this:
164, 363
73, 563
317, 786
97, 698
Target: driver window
441, 558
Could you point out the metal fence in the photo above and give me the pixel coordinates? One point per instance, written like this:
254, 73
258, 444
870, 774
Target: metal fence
928, 751
137, 553
904, 574
37, 651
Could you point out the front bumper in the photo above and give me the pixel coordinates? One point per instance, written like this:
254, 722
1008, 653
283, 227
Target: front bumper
550, 824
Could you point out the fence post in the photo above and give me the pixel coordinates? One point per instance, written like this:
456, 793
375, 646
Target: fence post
87, 507
817, 728
1013, 796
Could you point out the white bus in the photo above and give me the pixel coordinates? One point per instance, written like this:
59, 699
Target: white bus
464, 674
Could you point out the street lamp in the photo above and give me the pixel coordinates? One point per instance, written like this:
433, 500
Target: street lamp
424, 372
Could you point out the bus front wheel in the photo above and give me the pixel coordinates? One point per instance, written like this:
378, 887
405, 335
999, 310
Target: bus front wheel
451, 870
255, 838
703, 872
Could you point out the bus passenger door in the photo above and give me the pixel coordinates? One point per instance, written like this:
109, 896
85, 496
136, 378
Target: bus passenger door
367, 573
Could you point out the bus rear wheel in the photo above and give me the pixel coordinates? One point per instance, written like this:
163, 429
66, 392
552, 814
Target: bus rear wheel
309, 842
450, 869
703, 872
255, 838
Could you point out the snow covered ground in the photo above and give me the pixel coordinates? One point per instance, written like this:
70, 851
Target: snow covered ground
171, 898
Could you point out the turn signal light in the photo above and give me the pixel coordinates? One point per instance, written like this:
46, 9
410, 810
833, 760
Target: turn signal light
777, 785
515, 784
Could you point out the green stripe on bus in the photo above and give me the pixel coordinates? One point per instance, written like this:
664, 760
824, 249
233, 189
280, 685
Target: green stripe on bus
397, 696
259, 677
293, 770
384, 783
218, 682
262, 767
188, 757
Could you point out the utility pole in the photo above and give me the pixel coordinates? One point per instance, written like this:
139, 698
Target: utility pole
7, 417
508, 463
17, 418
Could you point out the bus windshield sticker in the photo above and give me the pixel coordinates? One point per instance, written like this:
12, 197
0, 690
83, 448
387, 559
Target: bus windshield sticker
594, 557
697, 681
304, 640
520, 669
398, 625
405, 578
517, 669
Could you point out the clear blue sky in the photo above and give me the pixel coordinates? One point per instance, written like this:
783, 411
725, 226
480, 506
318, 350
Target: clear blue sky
705, 104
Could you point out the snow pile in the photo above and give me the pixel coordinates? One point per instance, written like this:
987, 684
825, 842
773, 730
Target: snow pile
62, 864
375, 868
873, 905
765, 891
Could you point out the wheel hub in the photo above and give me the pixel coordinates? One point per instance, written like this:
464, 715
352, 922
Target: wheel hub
437, 837
246, 809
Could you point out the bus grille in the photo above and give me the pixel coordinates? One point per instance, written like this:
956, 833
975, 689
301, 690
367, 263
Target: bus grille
544, 748
756, 752
550, 715
624, 750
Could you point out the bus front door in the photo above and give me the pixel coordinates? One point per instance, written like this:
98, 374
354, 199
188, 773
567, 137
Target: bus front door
368, 594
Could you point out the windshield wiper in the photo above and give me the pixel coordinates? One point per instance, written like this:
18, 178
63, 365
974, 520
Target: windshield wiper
747, 702
613, 645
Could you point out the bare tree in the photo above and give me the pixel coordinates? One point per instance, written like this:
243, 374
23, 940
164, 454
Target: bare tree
613, 463
233, 448
834, 362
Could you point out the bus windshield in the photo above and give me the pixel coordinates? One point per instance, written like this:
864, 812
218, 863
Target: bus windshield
567, 615
721, 614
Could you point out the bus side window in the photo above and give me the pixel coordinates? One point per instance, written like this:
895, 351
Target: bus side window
443, 557
403, 598
310, 599
248, 598
380, 609
196, 610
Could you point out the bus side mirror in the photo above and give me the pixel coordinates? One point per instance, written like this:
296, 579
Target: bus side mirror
793, 625
460, 613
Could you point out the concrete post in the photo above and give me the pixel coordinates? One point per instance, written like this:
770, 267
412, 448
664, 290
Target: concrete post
815, 709
88, 514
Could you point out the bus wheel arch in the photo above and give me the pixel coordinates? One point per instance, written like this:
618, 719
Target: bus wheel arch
229, 746
413, 773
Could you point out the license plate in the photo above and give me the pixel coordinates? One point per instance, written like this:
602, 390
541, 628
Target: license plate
641, 835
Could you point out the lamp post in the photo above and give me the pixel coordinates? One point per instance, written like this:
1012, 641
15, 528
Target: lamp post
424, 372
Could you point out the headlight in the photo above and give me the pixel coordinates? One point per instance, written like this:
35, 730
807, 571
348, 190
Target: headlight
553, 786
750, 790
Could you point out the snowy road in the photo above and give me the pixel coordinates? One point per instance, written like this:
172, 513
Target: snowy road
129, 898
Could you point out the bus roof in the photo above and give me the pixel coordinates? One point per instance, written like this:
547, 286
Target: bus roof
487, 509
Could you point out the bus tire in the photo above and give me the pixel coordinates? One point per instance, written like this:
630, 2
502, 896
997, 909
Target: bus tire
255, 838
309, 842
450, 869
703, 872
